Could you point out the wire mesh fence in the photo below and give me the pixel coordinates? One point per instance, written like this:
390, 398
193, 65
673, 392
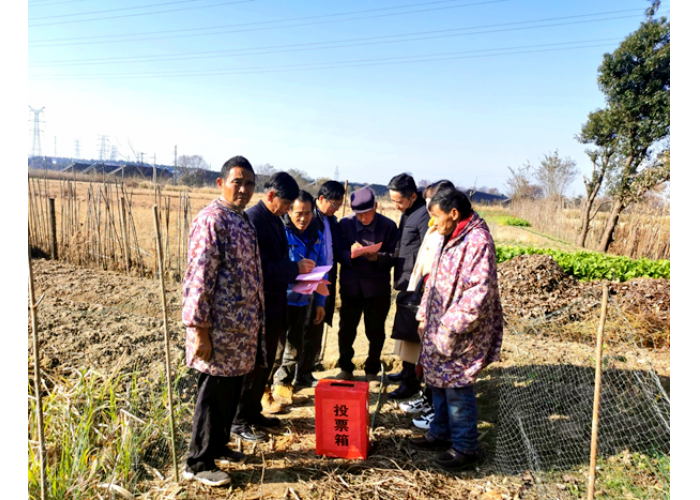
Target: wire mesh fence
545, 408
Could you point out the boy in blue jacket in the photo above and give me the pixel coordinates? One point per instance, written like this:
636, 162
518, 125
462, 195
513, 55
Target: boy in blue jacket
305, 241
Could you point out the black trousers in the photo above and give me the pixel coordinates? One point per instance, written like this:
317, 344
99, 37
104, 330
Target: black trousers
255, 382
375, 310
302, 346
408, 373
217, 399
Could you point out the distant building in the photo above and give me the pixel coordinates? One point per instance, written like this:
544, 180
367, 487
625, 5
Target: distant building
486, 198
125, 170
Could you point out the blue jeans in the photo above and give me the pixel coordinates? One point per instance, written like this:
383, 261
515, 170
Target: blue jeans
455, 417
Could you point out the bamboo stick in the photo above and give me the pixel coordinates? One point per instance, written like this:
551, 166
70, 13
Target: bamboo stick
345, 199
159, 253
37, 380
122, 229
166, 253
54, 238
125, 235
596, 393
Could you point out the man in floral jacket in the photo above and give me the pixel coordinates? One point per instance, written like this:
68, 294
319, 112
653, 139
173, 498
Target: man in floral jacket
222, 308
461, 321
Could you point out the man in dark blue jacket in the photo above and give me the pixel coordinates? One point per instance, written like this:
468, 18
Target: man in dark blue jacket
278, 272
303, 310
365, 283
412, 228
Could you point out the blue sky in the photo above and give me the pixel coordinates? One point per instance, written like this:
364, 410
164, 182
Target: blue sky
442, 89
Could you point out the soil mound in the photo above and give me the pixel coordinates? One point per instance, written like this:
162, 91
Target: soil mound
532, 286
535, 286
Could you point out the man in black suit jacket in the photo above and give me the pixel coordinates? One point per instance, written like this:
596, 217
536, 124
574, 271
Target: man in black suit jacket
278, 272
412, 228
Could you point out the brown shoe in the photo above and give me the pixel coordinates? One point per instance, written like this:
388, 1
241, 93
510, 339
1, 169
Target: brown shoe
282, 394
269, 404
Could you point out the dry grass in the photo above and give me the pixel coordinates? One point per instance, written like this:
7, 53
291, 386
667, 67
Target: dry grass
643, 231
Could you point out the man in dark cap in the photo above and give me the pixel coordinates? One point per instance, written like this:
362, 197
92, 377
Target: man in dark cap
365, 282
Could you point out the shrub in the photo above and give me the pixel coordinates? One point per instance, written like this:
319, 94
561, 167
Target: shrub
588, 266
508, 220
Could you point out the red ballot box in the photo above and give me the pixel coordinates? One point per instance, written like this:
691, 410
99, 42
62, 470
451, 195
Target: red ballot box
342, 419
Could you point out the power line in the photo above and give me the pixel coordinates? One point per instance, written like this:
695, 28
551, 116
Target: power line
111, 10
376, 40
41, 3
139, 14
122, 38
350, 63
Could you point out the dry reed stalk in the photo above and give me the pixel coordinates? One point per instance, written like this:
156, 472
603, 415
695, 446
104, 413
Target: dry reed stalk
125, 237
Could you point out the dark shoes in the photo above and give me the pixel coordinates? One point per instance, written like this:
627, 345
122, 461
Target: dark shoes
405, 391
430, 443
307, 380
248, 432
266, 422
395, 377
230, 457
453, 460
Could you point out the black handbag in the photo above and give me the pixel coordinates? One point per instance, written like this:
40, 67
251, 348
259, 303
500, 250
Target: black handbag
407, 304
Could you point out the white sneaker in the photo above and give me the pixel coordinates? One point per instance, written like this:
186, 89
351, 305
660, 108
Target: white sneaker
423, 422
416, 405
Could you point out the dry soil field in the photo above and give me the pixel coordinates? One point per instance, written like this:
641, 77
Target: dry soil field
102, 320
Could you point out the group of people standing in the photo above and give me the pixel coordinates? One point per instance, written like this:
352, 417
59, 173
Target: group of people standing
254, 340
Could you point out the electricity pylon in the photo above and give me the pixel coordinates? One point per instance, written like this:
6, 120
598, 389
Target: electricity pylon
36, 141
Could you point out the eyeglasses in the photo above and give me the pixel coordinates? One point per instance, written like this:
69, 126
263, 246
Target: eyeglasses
335, 206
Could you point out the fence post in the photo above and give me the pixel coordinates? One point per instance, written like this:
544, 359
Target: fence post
596, 393
54, 237
37, 379
159, 253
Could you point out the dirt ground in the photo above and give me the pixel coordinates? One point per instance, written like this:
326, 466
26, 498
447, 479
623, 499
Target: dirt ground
92, 318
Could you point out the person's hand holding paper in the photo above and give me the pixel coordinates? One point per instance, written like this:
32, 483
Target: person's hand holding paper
356, 250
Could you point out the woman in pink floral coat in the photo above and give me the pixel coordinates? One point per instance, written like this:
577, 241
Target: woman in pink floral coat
462, 326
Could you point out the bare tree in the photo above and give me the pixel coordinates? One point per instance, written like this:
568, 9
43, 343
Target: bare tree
265, 170
520, 185
300, 176
555, 174
191, 170
192, 161
262, 174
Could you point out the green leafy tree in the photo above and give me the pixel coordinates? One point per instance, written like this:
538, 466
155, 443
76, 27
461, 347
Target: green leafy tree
636, 81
